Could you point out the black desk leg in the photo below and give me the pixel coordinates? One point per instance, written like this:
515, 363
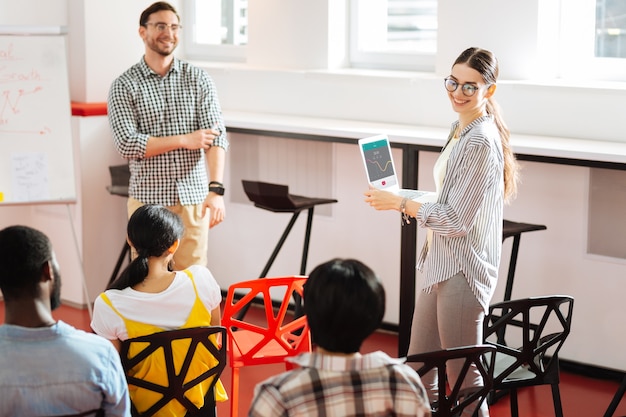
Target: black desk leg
509, 279
408, 256
407, 287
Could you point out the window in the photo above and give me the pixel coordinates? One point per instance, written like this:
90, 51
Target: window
593, 40
404, 38
610, 29
216, 29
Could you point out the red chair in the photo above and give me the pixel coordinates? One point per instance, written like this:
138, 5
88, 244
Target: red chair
280, 336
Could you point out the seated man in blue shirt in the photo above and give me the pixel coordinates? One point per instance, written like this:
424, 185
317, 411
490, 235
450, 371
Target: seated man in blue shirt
344, 302
49, 368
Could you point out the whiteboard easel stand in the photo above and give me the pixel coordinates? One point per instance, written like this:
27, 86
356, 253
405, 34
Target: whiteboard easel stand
80, 260
48, 78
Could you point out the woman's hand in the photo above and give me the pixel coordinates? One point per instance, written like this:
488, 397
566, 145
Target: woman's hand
382, 200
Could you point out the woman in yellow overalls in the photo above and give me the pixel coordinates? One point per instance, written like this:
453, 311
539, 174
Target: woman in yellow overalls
149, 297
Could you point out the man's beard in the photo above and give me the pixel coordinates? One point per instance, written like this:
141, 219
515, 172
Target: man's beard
55, 295
156, 47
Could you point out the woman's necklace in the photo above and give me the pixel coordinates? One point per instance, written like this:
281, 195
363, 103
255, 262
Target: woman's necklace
457, 131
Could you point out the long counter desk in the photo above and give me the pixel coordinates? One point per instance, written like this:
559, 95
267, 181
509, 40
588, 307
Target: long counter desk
411, 140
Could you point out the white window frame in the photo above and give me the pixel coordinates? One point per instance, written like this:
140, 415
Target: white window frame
194, 50
410, 61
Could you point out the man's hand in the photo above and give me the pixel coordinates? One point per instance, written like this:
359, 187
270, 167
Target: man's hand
200, 139
215, 204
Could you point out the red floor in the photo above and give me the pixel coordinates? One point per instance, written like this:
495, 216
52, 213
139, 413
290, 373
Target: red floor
581, 396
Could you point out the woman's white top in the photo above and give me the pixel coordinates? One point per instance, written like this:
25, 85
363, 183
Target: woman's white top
167, 309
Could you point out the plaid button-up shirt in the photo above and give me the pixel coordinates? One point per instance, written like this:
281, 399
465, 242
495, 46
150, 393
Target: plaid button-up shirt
372, 384
141, 104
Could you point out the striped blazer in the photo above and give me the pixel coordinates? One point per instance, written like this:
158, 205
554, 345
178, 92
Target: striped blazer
466, 219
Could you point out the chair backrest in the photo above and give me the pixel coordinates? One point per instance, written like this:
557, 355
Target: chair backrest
528, 333
192, 360
268, 195
120, 176
452, 397
280, 333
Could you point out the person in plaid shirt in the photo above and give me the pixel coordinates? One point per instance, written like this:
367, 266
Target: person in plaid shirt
167, 122
344, 302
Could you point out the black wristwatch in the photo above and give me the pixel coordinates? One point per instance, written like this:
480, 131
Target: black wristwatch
216, 187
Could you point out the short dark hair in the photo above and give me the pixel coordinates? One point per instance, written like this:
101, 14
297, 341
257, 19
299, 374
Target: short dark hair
344, 302
152, 229
155, 8
23, 253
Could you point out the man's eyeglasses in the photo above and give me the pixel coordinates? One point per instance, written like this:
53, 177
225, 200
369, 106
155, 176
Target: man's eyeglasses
467, 89
162, 27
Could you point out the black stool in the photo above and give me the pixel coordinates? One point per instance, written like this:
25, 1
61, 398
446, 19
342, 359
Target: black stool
120, 176
276, 198
515, 230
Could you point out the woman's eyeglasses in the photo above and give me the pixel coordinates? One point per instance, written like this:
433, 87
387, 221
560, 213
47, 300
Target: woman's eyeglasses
467, 89
162, 27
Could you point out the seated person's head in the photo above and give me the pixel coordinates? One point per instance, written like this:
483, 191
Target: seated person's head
25, 256
153, 231
344, 302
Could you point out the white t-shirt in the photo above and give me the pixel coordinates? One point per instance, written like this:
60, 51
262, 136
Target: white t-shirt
168, 309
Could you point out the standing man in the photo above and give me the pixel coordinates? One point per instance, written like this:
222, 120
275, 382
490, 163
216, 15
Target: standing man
167, 122
49, 368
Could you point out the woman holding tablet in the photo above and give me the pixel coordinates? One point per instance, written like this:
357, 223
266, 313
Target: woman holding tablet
475, 174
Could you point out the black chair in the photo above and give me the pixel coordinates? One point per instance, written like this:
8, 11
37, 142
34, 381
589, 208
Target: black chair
452, 400
204, 345
515, 230
528, 335
617, 398
120, 177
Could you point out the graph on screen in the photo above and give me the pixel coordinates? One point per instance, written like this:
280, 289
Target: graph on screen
378, 160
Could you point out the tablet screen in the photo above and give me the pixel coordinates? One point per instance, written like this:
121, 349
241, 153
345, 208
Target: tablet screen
378, 162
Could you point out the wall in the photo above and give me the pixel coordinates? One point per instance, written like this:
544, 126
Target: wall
551, 261
62, 223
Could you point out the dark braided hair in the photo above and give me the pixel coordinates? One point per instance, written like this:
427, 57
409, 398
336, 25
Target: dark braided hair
152, 230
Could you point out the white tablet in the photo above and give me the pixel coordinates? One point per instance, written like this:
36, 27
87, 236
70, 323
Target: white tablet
381, 171
379, 167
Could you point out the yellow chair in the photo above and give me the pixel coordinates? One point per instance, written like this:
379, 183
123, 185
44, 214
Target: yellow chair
191, 361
